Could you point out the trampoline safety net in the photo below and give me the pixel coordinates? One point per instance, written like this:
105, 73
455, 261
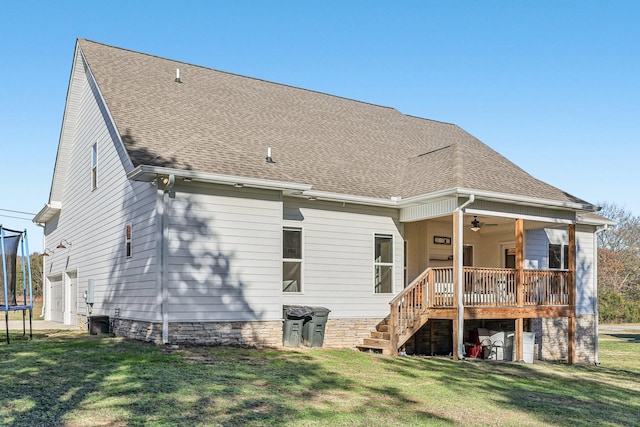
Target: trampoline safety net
8, 276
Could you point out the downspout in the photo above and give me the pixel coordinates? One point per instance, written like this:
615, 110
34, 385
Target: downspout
595, 294
459, 267
44, 269
168, 182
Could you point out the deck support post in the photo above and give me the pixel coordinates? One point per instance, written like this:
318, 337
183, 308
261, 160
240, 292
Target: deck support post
519, 339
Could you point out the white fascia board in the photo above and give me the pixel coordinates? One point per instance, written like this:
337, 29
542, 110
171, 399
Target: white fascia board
498, 197
149, 173
595, 221
47, 212
510, 215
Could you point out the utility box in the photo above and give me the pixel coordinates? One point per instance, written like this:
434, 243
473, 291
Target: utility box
98, 325
313, 330
528, 341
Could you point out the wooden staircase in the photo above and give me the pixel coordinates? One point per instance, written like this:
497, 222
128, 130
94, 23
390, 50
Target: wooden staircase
409, 312
380, 340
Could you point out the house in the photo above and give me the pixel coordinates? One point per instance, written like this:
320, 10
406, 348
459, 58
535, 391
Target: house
191, 205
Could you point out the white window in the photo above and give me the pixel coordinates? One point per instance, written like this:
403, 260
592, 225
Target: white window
94, 166
383, 264
128, 235
558, 256
291, 259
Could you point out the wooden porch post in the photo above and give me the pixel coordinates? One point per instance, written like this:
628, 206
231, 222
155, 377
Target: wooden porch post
571, 345
519, 338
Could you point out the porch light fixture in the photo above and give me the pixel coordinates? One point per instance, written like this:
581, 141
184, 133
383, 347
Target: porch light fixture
62, 244
475, 224
47, 252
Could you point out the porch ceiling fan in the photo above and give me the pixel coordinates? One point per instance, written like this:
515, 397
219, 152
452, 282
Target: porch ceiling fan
477, 225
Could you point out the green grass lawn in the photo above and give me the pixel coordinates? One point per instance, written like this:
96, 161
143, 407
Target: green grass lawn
72, 379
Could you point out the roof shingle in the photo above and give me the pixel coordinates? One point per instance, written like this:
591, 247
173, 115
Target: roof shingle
217, 122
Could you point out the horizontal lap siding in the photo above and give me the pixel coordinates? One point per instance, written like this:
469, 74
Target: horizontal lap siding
94, 221
338, 256
537, 256
224, 254
585, 271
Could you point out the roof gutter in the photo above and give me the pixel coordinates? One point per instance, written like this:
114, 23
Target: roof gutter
149, 173
501, 197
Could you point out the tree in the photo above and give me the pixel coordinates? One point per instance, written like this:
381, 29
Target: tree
36, 274
619, 265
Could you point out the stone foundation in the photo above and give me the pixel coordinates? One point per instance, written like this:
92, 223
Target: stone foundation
586, 339
348, 333
339, 333
249, 334
552, 337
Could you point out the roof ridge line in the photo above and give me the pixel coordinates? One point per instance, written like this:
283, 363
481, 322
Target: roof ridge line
246, 77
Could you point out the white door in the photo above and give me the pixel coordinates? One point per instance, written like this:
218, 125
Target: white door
71, 299
57, 298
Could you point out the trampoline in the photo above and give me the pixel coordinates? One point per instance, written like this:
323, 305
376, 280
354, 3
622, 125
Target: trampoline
15, 296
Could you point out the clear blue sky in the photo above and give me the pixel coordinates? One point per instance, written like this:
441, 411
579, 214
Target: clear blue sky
552, 85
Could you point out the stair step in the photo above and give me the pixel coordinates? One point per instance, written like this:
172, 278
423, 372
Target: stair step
374, 349
381, 335
382, 328
376, 342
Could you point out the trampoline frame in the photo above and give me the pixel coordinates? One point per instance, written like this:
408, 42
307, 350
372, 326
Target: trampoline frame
27, 298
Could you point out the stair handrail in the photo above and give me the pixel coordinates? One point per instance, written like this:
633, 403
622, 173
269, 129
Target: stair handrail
407, 306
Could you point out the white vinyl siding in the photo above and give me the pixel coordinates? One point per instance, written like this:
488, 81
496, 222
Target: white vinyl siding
92, 221
338, 256
224, 254
537, 257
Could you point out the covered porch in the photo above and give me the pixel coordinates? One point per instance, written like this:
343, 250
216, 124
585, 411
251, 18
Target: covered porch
495, 261
476, 264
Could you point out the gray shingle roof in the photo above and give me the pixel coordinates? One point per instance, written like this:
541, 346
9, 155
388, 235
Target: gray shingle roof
217, 122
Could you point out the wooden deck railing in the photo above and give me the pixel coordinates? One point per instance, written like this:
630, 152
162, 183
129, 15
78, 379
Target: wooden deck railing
483, 287
494, 287
545, 287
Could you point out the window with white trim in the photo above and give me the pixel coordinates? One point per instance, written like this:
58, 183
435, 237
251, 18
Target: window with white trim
291, 259
383, 264
94, 166
128, 236
558, 256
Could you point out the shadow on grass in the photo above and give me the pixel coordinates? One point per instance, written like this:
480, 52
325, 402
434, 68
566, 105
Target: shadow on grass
632, 338
550, 393
66, 378
71, 379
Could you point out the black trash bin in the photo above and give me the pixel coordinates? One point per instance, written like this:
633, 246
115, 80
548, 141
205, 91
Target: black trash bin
294, 318
313, 330
98, 325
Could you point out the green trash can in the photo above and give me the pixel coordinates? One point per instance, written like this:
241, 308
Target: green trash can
294, 318
313, 330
